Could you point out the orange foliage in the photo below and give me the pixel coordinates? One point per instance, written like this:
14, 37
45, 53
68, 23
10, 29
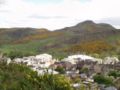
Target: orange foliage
91, 47
38, 36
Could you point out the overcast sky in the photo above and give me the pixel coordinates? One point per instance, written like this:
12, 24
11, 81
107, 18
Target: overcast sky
55, 14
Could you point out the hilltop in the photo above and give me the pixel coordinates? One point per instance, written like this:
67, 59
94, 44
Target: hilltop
87, 36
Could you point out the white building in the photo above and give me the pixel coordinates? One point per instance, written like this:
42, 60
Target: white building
44, 57
49, 71
110, 60
37, 62
45, 60
75, 58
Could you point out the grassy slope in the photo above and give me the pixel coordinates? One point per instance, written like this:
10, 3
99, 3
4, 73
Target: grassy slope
38, 46
57, 42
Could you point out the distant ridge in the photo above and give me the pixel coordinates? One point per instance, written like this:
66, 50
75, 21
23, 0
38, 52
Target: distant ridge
42, 40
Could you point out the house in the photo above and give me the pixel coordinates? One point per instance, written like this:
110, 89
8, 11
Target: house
83, 76
37, 63
8, 61
76, 86
1, 55
18, 60
117, 66
97, 68
48, 71
99, 61
64, 64
44, 57
74, 59
42, 60
110, 60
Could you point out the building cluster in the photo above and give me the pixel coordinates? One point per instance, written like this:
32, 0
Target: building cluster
39, 63
74, 66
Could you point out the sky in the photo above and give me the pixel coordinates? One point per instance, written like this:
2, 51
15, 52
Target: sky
56, 14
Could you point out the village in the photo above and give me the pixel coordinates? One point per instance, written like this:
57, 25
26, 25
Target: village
79, 68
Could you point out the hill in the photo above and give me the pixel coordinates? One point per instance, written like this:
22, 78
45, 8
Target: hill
87, 36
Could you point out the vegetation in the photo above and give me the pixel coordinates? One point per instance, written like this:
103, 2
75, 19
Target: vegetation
85, 37
117, 83
84, 70
38, 36
61, 70
114, 73
18, 54
101, 79
91, 47
20, 77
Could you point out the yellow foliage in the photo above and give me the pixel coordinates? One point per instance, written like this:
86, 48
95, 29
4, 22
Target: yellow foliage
91, 47
38, 36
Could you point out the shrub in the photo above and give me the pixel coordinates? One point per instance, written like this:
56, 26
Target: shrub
101, 79
61, 70
114, 73
18, 54
91, 47
54, 82
20, 77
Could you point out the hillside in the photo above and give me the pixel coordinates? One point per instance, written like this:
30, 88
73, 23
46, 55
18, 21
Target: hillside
87, 36
12, 34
